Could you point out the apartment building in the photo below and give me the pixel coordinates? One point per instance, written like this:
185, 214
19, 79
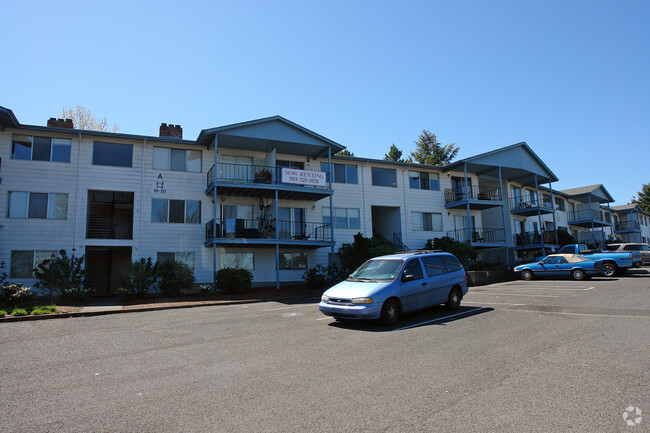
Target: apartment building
630, 223
266, 195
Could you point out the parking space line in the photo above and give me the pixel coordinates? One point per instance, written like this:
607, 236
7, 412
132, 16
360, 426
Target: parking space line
326, 318
590, 288
514, 294
538, 288
501, 303
439, 319
287, 308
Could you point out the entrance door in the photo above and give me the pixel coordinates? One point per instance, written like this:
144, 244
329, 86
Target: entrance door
109, 268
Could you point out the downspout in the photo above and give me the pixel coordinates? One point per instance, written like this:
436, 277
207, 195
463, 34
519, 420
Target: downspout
214, 216
539, 215
554, 211
76, 214
277, 244
329, 162
503, 215
144, 147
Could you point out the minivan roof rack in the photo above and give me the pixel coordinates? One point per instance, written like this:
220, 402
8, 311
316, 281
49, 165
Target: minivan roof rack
419, 252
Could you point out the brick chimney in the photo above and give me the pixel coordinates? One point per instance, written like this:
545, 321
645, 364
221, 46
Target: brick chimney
60, 123
174, 131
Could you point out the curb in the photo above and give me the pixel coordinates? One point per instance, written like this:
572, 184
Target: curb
146, 309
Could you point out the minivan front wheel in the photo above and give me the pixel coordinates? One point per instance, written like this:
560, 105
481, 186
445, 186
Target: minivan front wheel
453, 301
389, 312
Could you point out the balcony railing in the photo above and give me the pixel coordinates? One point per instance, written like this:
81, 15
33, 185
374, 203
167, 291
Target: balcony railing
623, 226
249, 174
586, 215
478, 235
517, 203
486, 193
232, 228
535, 238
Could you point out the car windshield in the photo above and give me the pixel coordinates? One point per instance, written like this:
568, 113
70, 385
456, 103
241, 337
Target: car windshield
382, 269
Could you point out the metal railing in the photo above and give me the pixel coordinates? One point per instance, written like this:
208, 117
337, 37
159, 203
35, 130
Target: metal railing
230, 228
249, 174
534, 238
478, 235
586, 215
487, 193
627, 225
528, 202
397, 240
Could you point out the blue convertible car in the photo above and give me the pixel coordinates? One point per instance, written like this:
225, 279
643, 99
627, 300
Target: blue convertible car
561, 265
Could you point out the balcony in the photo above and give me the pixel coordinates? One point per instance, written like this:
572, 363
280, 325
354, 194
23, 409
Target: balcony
260, 233
533, 240
480, 237
627, 227
587, 218
529, 206
478, 197
260, 181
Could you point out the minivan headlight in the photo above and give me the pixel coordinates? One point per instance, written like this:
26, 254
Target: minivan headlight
324, 298
362, 301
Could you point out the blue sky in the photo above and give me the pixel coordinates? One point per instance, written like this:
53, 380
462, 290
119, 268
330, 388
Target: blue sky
571, 78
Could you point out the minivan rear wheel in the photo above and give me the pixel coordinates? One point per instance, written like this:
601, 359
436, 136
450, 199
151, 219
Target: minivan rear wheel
389, 312
453, 301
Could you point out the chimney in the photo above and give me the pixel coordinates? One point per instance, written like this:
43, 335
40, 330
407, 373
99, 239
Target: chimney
173, 131
60, 123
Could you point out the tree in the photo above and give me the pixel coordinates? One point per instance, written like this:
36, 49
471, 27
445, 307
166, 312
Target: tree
643, 197
355, 254
394, 154
344, 152
84, 119
429, 150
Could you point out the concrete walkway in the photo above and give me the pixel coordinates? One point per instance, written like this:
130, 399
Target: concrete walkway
106, 304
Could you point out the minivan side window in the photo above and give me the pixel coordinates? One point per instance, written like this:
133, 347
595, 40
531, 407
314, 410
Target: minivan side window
452, 263
413, 268
433, 265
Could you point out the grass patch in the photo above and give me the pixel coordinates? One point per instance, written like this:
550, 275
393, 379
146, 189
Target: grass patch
19, 312
3, 313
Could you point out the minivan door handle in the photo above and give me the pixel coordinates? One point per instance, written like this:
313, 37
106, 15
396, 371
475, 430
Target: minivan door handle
424, 284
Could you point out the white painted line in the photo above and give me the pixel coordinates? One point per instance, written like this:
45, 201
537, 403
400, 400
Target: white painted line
590, 288
439, 319
514, 294
500, 303
287, 308
528, 288
326, 318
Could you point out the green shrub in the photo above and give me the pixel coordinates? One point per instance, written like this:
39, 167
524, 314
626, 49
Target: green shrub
52, 308
142, 276
321, 276
123, 294
462, 250
3, 273
19, 312
40, 310
66, 275
362, 249
174, 277
3, 313
234, 280
565, 238
15, 295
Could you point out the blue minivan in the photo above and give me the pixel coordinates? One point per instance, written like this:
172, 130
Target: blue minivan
386, 287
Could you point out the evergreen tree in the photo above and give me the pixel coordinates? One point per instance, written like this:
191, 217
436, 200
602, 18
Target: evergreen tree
394, 154
344, 152
643, 197
429, 150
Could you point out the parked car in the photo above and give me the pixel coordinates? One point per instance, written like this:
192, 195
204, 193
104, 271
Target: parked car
614, 263
644, 249
575, 266
386, 287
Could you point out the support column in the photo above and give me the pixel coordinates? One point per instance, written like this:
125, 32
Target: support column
277, 245
591, 215
214, 216
470, 228
503, 215
550, 187
329, 164
539, 216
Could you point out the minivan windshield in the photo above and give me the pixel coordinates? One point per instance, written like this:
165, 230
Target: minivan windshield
382, 269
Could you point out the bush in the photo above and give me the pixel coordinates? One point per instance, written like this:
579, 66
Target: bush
564, 238
234, 280
321, 276
123, 294
19, 312
66, 275
3, 313
463, 251
362, 249
15, 295
3, 273
142, 276
174, 277
40, 310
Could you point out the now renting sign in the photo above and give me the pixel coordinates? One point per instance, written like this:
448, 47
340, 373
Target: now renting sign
302, 177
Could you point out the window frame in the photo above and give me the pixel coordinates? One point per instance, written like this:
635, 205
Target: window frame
237, 259
376, 170
168, 152
176, 253
28, 205
421, 184
123, 146
421, 225
68, 153
48, 254
291, 259
348, 217
347, 168
168, 211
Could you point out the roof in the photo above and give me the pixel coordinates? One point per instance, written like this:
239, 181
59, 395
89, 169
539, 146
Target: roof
571, 258
7, 119
388, 162
596, 191
517, 162
626, 208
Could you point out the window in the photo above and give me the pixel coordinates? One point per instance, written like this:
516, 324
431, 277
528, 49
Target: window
182, 257
237, 260
425, 221
433, 265
413, 268
112, 154
344, 218
560, 204
343, 173
175, 211
41, 148
176, 159
424, 180
44, 205
293, 261
24, 262
384, 177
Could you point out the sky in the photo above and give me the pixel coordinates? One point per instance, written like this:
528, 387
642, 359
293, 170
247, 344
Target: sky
570, 78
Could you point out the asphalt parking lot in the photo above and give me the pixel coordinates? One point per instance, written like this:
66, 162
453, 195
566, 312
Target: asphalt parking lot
541, 355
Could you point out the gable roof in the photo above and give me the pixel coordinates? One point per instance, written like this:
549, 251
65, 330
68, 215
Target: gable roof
518, 163
597, 192
270, 132
627, 208
7, 119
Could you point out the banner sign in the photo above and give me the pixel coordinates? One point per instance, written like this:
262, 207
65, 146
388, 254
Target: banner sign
301, 177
